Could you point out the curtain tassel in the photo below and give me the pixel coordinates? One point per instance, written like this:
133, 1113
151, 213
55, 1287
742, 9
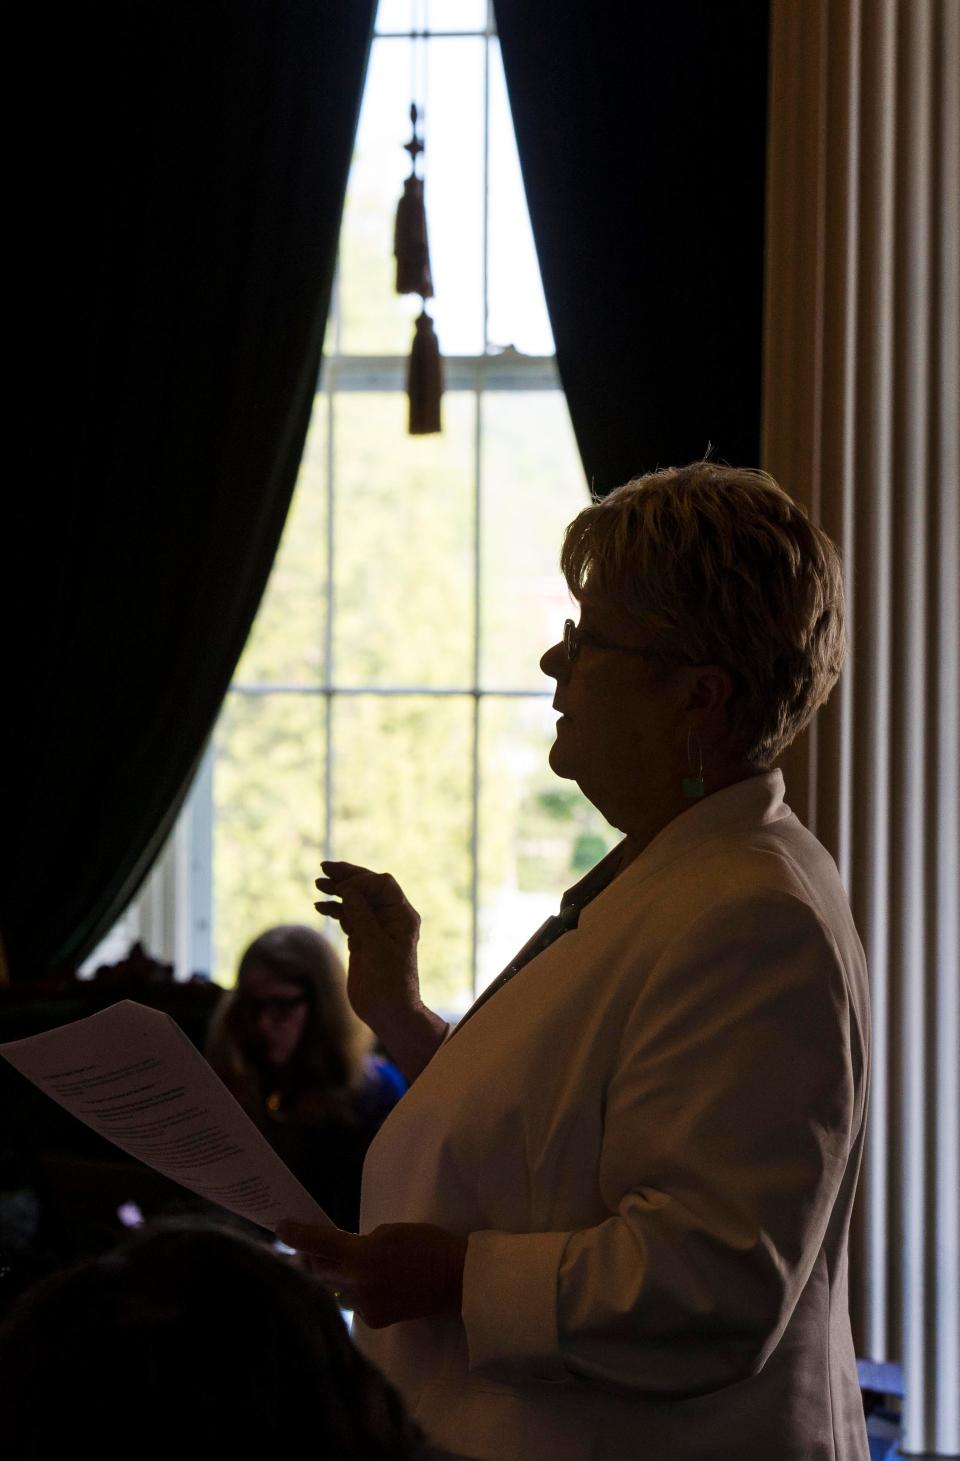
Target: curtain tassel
410, 242
424, 378
412, 251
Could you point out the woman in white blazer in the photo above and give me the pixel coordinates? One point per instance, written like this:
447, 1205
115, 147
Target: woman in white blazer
609, 1219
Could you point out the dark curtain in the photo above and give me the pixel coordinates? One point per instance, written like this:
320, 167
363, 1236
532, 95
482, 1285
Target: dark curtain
182, 172
642, 132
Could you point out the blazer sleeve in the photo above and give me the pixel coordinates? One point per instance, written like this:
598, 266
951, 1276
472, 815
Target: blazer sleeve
728, 1125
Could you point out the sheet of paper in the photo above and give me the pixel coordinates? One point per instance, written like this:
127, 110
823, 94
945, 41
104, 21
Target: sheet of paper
132, 1075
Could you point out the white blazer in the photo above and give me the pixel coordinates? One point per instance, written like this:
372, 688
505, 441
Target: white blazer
652, 1135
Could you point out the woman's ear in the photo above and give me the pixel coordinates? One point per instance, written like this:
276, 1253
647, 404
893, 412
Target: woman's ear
708, 688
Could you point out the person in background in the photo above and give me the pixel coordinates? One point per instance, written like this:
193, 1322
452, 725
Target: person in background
191, 1339
287, 1044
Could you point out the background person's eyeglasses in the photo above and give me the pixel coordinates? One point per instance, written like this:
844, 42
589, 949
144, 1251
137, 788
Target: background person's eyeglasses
574, 638
279, 1008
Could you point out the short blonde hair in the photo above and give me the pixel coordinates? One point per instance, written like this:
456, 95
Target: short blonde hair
720, 566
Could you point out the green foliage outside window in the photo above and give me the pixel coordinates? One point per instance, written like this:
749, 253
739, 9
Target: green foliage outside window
403, 617
404, 592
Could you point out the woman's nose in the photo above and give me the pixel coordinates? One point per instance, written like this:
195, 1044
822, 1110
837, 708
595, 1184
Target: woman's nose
553, 660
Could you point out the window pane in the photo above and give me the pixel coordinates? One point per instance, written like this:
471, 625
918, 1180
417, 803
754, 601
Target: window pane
402, 804
286, 643
269, 818
456, 14
538, 833
373, 319
517, 309
403, 538
395, 15
406, 15
532, 485
453, 169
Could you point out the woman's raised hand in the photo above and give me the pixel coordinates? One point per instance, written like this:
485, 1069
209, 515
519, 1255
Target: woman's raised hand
382, 934
383, 984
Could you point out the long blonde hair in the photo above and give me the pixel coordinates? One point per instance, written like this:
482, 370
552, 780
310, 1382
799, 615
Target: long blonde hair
327, 1067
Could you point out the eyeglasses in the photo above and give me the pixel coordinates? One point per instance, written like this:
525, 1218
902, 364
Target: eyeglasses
574, 638
252, 1008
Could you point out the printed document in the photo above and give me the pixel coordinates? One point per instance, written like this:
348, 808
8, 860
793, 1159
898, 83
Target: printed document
132, 1075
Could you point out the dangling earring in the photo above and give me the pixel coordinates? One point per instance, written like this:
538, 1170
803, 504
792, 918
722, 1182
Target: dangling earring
693, 784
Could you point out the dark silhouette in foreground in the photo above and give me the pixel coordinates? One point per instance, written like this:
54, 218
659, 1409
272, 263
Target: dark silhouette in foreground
192, 1339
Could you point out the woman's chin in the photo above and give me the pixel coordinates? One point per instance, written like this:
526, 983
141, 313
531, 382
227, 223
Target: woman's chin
559, 760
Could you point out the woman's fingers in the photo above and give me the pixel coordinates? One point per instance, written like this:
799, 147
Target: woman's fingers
338, 871
343, 876
382, 931
374, 898
331, 1255
323, 1242
355, 913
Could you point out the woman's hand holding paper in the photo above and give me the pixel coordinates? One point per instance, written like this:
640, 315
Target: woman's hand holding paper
399, 1271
